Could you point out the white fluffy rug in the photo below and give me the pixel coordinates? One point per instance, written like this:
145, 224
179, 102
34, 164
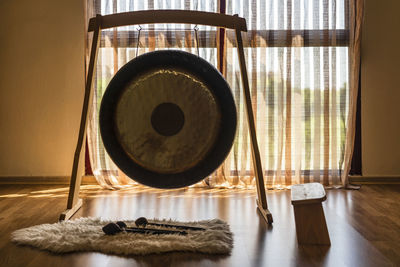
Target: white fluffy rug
85, 234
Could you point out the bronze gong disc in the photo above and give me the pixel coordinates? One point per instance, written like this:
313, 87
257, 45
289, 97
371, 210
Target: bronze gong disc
168, 119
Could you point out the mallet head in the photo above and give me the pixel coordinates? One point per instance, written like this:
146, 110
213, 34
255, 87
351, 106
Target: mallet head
142, 221
111, 229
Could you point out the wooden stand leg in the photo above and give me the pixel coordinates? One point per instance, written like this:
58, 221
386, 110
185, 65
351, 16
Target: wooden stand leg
74, 203
311, 226
262, 198
264, 212
68, 213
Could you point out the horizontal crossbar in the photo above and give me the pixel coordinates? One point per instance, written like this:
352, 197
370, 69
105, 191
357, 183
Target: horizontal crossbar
169, 16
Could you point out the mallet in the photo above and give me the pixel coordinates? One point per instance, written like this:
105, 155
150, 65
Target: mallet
142, 221
113, 228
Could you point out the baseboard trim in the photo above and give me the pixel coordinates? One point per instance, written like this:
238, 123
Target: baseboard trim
382, 179
31, 180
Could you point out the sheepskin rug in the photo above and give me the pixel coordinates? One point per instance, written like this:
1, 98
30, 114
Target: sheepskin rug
85, 234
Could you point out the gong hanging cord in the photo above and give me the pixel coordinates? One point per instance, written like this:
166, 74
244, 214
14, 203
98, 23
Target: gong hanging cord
196, 29
138, 40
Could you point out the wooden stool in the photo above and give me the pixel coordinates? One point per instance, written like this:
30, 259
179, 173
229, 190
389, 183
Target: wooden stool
308, 214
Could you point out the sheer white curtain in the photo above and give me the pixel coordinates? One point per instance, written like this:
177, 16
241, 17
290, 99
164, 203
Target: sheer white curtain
119, 45
356, 20
297, 59
297, 56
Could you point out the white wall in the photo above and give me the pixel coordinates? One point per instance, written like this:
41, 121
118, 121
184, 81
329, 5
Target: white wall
380, 85
41, 85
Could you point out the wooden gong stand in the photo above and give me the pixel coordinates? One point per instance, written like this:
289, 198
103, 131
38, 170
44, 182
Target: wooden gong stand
96, 24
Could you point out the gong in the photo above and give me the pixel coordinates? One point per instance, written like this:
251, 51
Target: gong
168, 119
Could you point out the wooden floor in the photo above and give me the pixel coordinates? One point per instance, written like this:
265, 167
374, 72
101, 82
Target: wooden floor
364, 225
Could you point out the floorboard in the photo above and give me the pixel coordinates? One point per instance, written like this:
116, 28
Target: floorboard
364, 225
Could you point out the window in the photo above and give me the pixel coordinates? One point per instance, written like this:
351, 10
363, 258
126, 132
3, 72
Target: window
297, 62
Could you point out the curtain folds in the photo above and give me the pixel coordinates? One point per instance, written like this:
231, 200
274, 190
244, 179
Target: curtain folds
119, 45
297, 58
356, 18
302, 60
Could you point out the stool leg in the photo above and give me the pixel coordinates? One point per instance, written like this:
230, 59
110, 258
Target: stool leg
311, 226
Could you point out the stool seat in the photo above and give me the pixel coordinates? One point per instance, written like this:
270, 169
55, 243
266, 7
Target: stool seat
308, 193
